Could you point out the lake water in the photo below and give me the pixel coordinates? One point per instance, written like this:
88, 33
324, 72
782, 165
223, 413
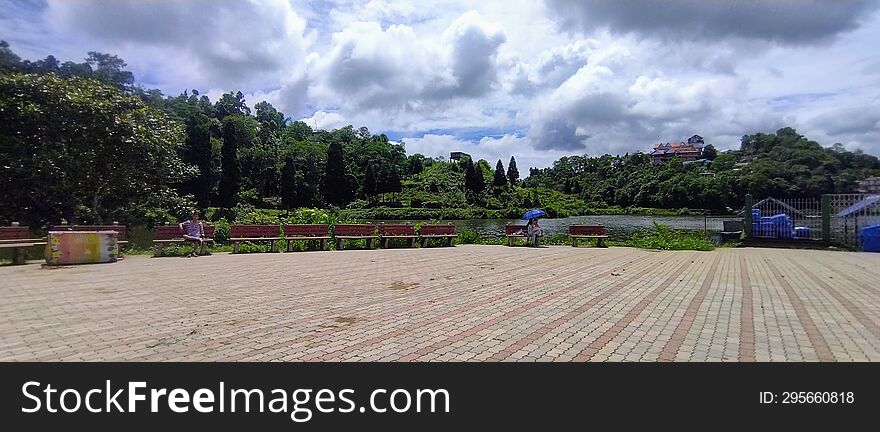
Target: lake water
620, 227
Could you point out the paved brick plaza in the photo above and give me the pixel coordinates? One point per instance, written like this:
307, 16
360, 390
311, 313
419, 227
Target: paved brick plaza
465, 303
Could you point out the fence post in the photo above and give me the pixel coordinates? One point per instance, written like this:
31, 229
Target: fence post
747, 215
826, 218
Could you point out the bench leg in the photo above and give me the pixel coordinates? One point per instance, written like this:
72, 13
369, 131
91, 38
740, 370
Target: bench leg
449, 241
18, 256
272, 246
369, 243
235, 247
574, 242
323, 244
339, 244
203, 247
600, 242
157, 249
412, 242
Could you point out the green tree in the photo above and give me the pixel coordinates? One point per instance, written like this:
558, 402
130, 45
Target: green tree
110, 69
84, 151
237, 133
512, 172
500, 179
198, 152
336, 181
370, 182
290, 183
231, 104
709, 152
9, 61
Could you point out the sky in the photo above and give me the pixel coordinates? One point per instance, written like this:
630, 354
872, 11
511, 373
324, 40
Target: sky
534, 79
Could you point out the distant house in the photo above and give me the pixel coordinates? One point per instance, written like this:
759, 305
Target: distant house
870, 185
685, 151
457, 156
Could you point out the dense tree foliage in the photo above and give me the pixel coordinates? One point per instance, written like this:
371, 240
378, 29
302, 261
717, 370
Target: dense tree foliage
79, 149
784, 164
82, 141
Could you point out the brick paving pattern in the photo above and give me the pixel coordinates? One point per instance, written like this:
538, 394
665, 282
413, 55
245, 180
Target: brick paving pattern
468, 303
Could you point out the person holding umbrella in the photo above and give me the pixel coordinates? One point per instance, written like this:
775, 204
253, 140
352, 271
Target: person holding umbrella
533, 229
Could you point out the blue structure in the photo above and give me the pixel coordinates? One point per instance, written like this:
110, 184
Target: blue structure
869, 238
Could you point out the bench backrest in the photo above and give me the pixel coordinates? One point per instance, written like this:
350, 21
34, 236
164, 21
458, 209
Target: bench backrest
15, 233
171, 232
437, 229
306, 230
121, 230
354, 230
254, 231
586, 229
513, 229
391, 230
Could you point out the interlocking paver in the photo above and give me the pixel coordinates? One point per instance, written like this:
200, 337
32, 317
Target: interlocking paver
469, 303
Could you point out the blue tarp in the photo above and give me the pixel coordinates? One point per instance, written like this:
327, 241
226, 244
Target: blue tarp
778, 226
869, 238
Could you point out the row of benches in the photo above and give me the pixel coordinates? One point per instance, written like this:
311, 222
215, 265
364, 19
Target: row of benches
19, 238
320, 233
575, 232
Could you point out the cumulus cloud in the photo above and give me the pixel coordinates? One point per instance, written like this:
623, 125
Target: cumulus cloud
786, 21
213, 43
368, 67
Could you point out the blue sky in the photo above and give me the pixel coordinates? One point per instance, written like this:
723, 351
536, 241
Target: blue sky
535, 79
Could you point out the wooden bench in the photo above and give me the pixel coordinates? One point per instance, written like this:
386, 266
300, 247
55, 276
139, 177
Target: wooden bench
344, 232
254, 233
172, 234
306, 232
390, 232
19, 239
578, 232
121, 230
447, 232
514, 232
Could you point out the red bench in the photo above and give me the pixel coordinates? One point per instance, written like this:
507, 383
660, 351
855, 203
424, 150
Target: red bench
19, 239
344, 232
254, 233
172, 234
306, 232
578, 232
121, 230
389, 232
447, 232
515, 231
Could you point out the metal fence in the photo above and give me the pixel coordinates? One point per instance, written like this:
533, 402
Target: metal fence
789, 218
850, 214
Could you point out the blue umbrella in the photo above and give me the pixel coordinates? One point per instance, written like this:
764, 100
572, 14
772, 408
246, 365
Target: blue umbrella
534, 213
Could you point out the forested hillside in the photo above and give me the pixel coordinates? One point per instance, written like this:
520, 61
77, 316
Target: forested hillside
83, 142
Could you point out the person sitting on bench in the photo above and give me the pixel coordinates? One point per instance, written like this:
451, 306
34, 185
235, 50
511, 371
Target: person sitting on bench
534, 231
194, 231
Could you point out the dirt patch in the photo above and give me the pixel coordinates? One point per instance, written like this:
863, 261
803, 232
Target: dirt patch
173, 340
403, 286
346, 320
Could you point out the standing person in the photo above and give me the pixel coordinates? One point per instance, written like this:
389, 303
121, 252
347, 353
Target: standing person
194, 231
534, 230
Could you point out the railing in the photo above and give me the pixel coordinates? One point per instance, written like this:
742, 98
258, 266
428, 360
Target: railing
850, 214
788, 218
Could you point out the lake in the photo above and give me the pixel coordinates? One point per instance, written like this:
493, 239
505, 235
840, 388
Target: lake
620, 227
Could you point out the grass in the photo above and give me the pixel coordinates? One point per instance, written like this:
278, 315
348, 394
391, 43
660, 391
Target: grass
662, 237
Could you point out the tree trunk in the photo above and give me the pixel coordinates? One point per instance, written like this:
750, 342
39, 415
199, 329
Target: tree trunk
96, 217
